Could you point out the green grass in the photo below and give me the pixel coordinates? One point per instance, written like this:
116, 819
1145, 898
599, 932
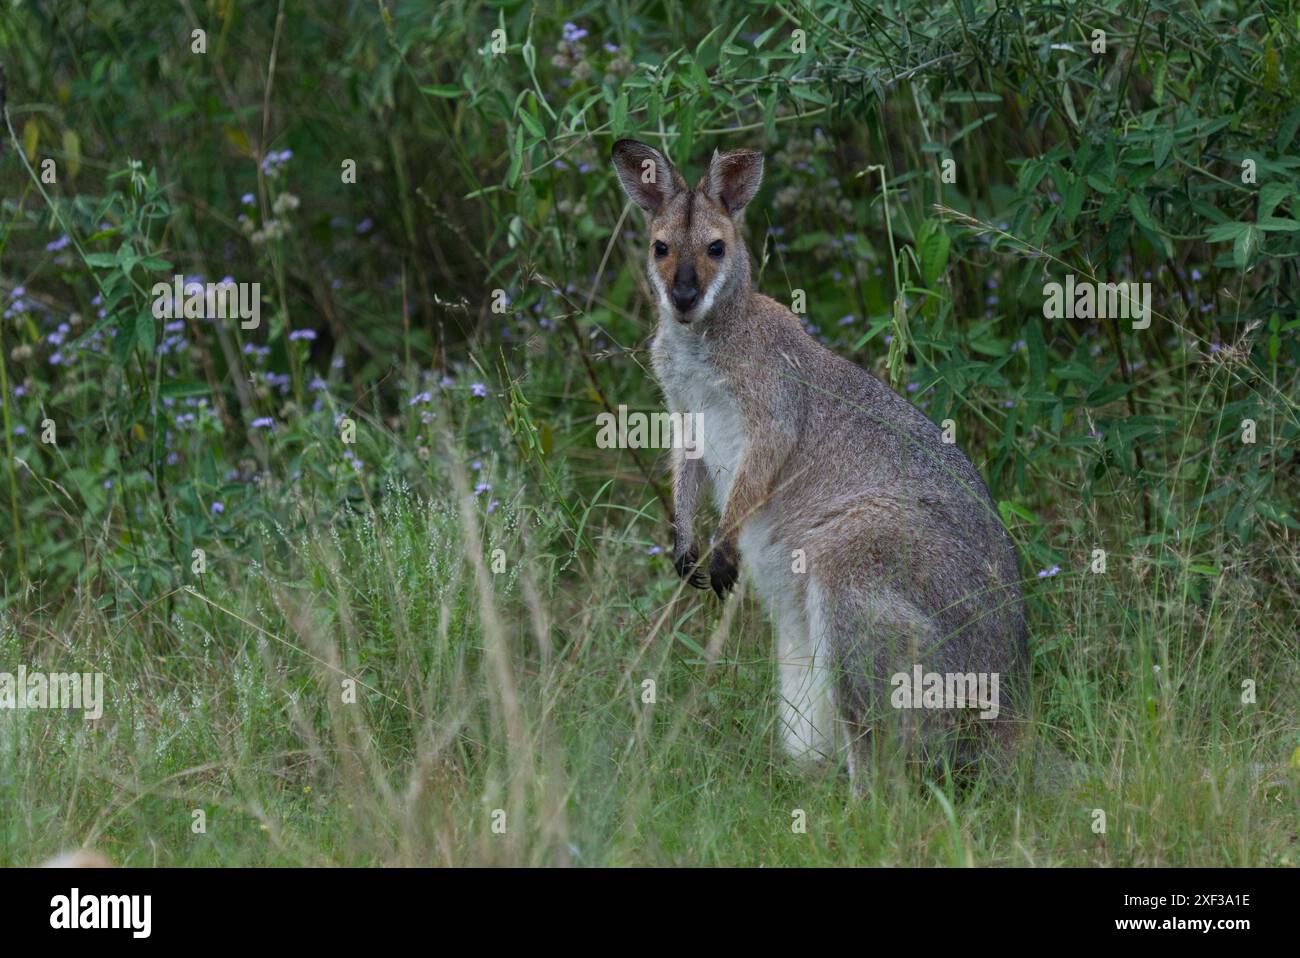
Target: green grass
522, 691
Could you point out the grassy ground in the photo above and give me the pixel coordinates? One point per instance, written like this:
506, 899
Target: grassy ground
521, 692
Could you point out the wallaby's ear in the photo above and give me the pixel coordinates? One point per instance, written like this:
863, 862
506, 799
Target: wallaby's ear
648, 178
734, 178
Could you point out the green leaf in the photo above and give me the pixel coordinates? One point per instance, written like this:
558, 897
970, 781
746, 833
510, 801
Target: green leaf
1163, 146
1226, 231
1244, 247
183, 388
101, 259
1273, 514
516, 159
1138, 207
686, 640
970, 127
1100, 184
445, 90
974, 97
146, 331
1271, 224
72, 151
618, 118
31, 137
122, 343
1286, 132
1074, 195
1037, 352
933, 244
532, 124
1008, 509
1110, 207
1107, 394
1270, 196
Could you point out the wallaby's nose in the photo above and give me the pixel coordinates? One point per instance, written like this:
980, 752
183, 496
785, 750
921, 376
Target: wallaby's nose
684, 297
685, 288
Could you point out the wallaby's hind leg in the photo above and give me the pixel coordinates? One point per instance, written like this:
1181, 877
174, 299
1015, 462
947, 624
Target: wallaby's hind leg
871, 636
808, 711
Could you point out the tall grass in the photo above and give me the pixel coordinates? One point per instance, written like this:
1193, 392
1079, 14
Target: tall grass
522, 693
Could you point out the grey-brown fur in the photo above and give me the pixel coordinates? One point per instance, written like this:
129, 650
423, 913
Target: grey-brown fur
906, 558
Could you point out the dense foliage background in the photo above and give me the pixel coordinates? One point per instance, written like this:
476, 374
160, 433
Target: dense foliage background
1171, 156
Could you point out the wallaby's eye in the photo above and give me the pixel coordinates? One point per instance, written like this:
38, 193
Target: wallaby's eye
661, 249
716, 249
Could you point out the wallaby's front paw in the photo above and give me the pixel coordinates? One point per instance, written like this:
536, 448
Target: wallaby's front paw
723, 571
687, 564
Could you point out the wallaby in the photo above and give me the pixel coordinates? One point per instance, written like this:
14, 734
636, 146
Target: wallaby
873, 543
80, 858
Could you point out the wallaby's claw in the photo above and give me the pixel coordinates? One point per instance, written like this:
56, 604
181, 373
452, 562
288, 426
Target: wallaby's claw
687, 565
723, 571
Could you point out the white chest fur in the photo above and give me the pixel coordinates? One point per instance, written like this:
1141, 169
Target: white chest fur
692, 384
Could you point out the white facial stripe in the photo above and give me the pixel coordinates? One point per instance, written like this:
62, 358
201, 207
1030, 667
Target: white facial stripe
658, 282
711, 293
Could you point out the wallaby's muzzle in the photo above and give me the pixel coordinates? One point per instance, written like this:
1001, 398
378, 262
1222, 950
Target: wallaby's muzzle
686, 290
684, 297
